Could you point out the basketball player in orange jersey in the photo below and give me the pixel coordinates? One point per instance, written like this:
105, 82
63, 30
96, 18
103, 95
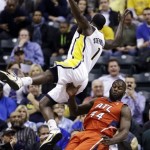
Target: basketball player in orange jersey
105, 116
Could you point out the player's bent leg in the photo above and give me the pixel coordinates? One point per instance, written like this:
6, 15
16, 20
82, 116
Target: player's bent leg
43, 78
55, 134
10, 78
16, 82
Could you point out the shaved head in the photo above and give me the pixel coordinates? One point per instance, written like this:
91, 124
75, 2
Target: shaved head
97, 88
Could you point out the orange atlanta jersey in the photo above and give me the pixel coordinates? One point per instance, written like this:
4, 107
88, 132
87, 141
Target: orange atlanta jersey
104, 116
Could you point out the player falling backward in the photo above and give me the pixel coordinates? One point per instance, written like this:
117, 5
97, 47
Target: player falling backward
104, 117
85, 49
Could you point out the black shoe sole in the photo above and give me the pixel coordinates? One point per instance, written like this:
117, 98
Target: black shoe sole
11, 83
49, 145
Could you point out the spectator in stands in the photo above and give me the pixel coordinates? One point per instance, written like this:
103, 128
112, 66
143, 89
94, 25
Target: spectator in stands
65, 135
22, 109
54, 10
32, 104
31, 50
42, 34
7, 105
7, 90
83, 6
12, 19
146, 140
36, 70
25, 136
117, 5
146, 126
27, 5
63, 122
137, 7
110, 15
128, 45
43, 132
134, 100
3, 125
19, 57
143, 32
2, 6
78, 124
109, 36
114, 74
97, 90
10, 141
63, 39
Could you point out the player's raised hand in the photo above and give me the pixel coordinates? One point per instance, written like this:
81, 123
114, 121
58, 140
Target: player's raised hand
125, 13
71, 89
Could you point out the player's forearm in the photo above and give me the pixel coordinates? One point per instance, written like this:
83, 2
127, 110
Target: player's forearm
122, 135
82, 22
118, 37
73, 107
75, 10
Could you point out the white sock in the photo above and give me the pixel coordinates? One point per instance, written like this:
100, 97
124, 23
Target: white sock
27, 81
52, 124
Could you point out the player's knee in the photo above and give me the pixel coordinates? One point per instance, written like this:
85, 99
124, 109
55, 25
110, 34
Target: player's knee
48, 75
44, 102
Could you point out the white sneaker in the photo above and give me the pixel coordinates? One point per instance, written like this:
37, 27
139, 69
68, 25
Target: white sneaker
10, 78
54, 136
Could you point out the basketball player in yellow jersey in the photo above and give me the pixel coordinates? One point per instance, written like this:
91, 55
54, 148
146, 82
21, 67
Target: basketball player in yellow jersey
85, 49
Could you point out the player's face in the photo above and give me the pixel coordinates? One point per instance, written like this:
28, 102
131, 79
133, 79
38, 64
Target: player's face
146, 15
117, 91
113, 68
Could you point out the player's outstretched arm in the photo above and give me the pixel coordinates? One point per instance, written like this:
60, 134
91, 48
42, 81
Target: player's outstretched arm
125, 123
81, 20
109, 44
74, 108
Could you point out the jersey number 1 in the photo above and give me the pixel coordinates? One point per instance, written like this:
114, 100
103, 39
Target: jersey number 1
95, 54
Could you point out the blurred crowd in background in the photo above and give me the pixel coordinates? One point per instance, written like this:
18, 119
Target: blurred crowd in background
35, 33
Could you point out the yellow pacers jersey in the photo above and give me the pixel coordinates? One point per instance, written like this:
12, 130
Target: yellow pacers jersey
86, 49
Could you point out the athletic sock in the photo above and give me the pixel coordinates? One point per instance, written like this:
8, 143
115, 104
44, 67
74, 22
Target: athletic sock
52, 124
27, 81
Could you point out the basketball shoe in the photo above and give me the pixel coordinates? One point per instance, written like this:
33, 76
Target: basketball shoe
54, 136
11, 79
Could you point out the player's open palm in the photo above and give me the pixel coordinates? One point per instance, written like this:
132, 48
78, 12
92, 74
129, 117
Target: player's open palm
71, 89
